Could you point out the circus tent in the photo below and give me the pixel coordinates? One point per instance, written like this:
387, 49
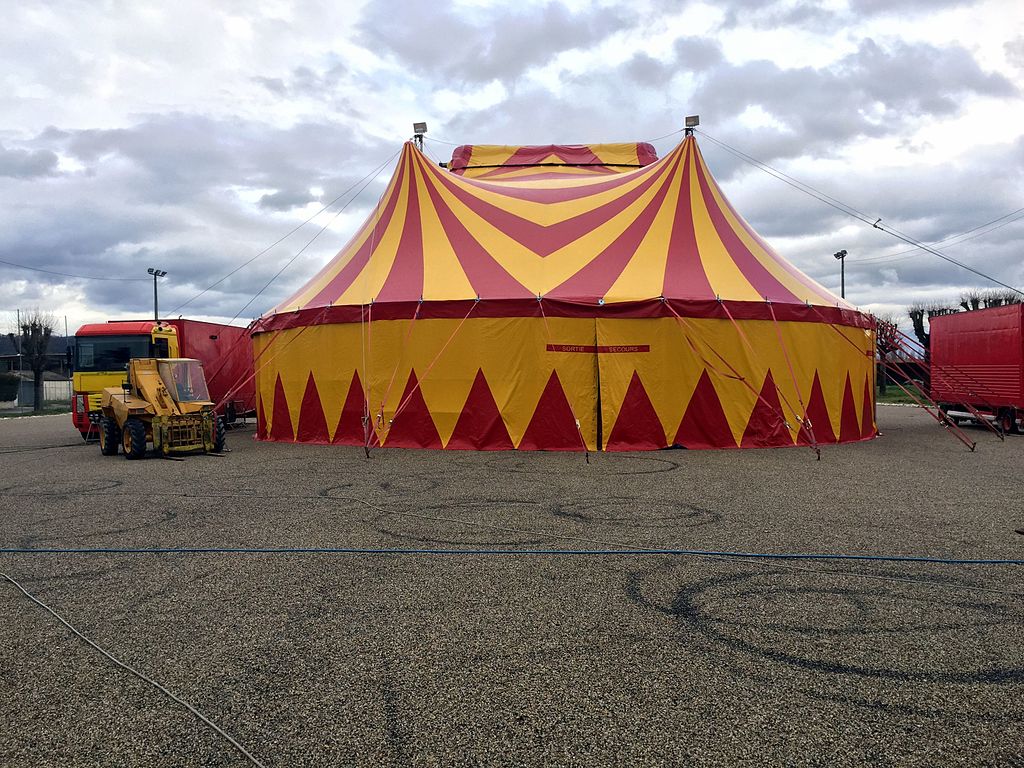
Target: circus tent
562, 298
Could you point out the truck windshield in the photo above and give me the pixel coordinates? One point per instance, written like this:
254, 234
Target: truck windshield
108, 353
184, 379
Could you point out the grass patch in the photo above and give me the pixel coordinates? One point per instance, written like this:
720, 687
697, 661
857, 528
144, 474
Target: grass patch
894, 394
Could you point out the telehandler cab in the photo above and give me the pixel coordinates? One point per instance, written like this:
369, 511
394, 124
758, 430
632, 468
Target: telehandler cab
164, 401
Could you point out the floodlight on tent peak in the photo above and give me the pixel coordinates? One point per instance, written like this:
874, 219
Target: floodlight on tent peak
418, 129
692, 121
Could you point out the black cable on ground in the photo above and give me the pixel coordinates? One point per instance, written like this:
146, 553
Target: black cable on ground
140, 675
534, 552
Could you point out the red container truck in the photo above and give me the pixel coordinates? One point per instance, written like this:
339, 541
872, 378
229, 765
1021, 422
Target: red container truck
977, 364
226, 353
102, 352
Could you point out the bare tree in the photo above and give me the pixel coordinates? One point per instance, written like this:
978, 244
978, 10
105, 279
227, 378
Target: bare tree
886, 332
970, 300
920, 317
996, 297
34, 341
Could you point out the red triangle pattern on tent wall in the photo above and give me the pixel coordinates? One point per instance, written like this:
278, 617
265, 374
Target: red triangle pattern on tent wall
704, 424
766, 427
867, 414
480, 426
281, 427
312, 423
849, 427
637, 427
552, 427
261, 421
350, 421
413, 426
817, 412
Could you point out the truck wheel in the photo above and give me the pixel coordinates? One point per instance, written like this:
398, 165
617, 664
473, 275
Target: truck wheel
219, 434
134, 439
110, 436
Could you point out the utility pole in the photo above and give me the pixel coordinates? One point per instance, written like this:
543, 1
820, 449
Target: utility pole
21, 380
156, 273
841, 255
19, 342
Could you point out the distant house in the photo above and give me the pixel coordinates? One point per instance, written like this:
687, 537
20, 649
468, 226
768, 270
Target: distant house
58, 357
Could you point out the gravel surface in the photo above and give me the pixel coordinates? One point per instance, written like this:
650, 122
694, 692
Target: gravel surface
569, 660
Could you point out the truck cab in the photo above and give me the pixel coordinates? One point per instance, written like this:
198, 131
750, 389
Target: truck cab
103, 352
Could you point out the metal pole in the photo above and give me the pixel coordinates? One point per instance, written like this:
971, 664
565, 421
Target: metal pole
156, 305
18, 334
841, 255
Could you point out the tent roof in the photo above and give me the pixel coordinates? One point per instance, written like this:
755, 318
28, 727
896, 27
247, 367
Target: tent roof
664, 230
492, 161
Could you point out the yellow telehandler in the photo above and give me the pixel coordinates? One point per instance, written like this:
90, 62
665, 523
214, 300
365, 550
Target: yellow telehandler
164, 401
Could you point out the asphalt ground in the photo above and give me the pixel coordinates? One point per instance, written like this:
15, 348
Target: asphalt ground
568, 660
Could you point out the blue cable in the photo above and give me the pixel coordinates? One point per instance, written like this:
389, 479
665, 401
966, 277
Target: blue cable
529, 552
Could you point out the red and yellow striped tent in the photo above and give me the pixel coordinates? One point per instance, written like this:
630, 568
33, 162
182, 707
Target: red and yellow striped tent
562, 298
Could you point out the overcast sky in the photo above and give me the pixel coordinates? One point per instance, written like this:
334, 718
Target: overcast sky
190, 136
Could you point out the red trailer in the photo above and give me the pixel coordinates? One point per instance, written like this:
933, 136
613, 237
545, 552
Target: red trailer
226, 352
977, 365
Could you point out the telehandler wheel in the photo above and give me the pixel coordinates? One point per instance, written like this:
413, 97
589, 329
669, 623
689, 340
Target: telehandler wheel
133, 439
110, 436
219, 434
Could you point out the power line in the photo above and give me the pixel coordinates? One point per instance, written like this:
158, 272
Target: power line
956, 239
369, 180
276, 243
852, 212
441, 141
651, 141
68, 274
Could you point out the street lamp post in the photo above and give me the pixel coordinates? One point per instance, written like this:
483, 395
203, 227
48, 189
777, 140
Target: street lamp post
841, 255
156, 273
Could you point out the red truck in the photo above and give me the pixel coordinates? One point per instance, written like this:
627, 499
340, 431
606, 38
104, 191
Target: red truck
977, 365
102, 352
226, 353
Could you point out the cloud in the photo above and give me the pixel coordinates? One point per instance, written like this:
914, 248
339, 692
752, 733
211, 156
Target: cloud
819, 17
875, 91
188, 194
191, 142
475, 45
1015, 51
284, 200
27, 164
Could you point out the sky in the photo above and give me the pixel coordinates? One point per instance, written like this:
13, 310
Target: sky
191, 136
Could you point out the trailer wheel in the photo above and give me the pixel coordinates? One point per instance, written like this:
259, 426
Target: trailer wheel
1007, 424
1019, 429
133, 439
219, 434
110, 436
